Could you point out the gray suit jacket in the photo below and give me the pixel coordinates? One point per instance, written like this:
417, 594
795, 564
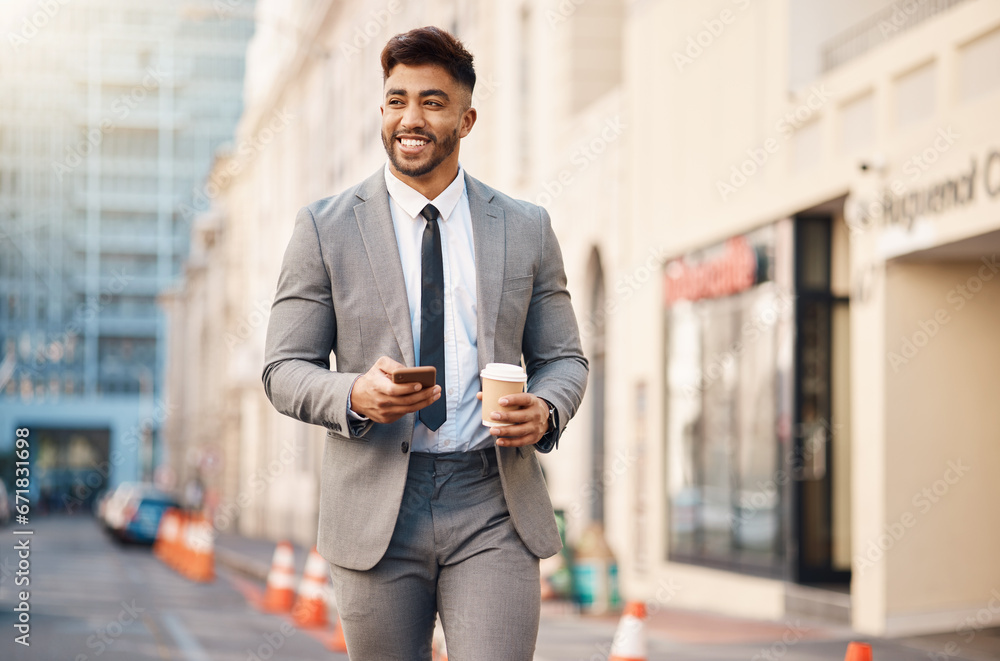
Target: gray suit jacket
341, 289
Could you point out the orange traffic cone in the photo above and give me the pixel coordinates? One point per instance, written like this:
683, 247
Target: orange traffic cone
858, 652
337, 641
280, 593
178, 557
310, 608
166, 535
201, 544
630, 639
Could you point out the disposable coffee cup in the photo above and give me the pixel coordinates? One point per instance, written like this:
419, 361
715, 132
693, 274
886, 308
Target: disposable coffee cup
500, 380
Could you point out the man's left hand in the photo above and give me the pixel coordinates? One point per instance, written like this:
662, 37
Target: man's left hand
527, 424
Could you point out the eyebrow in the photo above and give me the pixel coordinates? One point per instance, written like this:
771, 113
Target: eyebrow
423, 93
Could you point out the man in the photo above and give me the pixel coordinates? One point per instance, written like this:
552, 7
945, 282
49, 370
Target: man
423, 509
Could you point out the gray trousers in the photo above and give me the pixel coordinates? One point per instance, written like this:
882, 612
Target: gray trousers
454, 550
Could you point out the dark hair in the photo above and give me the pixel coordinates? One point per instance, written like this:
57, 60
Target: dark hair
430, 45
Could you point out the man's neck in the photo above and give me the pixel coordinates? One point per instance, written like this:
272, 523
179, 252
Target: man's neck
431, 184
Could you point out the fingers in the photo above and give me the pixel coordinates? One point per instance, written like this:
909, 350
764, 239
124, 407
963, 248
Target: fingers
420, 399
517, 417
381, 373
519, 400
375, 396
390, 389
390, 409
526, 424
409, 401
517, 435
525, 408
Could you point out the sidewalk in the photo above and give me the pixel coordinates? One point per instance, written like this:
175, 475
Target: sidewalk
675, 634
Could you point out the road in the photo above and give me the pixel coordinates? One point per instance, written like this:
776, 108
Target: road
93, 599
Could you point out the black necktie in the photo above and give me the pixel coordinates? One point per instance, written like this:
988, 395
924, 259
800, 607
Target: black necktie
432, 313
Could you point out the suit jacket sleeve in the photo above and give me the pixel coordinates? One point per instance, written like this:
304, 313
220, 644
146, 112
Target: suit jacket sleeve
553, 356
301, 334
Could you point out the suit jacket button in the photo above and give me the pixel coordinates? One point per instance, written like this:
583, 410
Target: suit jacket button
405, 447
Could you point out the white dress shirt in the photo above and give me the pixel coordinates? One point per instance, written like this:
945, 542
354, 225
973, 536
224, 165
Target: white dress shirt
463, 430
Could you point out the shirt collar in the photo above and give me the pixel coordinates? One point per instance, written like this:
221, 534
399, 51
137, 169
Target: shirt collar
412, 201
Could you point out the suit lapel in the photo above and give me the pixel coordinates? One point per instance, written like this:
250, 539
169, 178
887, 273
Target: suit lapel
379, 236
489, 237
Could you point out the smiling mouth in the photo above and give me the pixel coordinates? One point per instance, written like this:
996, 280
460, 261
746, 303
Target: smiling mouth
412, 145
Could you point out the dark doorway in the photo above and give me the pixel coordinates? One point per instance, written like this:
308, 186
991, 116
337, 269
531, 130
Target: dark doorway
821, 344
71, 468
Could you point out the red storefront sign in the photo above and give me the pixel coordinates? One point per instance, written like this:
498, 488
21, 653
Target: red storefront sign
732, 271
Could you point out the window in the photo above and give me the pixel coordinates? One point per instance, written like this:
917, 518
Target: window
726, 401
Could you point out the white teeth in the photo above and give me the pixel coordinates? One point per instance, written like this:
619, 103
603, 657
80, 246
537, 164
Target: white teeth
409, 142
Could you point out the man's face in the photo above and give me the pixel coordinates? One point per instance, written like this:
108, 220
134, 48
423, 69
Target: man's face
425, 113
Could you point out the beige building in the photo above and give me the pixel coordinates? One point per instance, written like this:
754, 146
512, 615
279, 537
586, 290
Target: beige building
779, 220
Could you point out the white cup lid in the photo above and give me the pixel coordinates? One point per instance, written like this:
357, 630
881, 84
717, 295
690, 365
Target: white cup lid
504, 372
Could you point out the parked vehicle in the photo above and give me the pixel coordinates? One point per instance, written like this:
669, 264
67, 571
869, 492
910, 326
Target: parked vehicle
132, 512
113, 505
143, 517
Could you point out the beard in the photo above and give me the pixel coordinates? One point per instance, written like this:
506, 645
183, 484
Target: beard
441, 151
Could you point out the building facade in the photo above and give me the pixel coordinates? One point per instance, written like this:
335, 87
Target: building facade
825, 435
109, 118
778, 219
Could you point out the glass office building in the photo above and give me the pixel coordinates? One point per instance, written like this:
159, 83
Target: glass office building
110, 113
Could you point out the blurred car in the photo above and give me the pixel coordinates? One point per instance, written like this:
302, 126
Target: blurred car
143, 517
132, 512
113, 505
5, 505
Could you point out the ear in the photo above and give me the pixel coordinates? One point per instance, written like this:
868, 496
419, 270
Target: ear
468, 120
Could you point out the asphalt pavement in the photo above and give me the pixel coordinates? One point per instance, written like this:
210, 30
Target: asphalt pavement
91, 598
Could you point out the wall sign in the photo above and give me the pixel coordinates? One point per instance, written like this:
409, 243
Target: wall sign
719, 271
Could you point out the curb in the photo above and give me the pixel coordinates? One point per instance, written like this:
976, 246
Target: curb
242, 564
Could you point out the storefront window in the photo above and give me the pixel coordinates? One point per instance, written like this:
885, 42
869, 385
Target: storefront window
727, 402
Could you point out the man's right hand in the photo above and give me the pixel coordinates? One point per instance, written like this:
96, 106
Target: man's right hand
375, 396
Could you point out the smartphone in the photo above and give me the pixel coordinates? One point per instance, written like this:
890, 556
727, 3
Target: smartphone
425, 376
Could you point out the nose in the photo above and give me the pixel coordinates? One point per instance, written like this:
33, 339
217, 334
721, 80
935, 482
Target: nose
413, 116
